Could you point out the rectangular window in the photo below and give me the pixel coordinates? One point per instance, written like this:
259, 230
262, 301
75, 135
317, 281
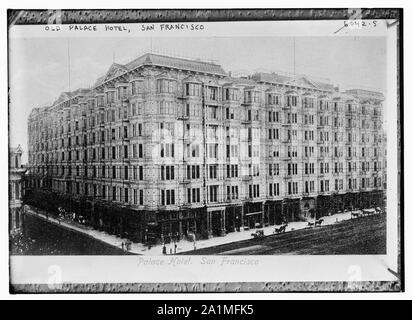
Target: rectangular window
140, 150
189, 198
126, 195
140, 172
213, 190
114, 193
141, 197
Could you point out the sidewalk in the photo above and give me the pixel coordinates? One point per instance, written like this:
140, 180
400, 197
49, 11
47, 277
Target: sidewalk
185, 245
182, 245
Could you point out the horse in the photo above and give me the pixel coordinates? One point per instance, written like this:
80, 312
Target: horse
318, 222
281, 229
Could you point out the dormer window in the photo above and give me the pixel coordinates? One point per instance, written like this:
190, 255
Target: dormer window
252, 96
166, 86
91, 103
291, 101
308, 102
121, 92
137, 87
323, 105
192, 89
230, 94
212, 93
273, 99
110, 95
100, 100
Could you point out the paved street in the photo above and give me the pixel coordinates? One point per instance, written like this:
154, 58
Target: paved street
339, 234
364, 235
42, 237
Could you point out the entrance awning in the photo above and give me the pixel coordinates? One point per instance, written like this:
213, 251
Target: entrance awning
253, 213
215, 209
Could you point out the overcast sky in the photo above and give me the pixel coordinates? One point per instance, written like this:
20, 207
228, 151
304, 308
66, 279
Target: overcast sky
38, 68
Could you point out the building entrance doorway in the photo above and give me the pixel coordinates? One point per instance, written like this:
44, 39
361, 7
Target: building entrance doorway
216, 217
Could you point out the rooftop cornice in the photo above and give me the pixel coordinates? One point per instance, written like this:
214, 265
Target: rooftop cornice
128, 72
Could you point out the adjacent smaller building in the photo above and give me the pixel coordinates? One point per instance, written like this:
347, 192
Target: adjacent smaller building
16, 189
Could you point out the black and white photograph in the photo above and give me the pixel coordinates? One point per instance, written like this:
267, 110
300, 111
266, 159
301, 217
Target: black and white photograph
201, 151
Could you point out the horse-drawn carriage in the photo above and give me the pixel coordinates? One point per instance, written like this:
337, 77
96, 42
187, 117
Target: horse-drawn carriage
281, 229
259, 233
315, 223
367, 212
355, 214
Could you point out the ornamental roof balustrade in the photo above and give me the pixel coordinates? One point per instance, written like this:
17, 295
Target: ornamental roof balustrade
177, 63
365, 94
300, 81
169, 67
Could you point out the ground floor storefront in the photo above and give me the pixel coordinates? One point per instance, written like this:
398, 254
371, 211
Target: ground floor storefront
15, 218
198, 223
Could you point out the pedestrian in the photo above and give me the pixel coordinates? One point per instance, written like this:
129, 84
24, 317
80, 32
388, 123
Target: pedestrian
145, 234
164, 249
175, 247
122, 245
171, 251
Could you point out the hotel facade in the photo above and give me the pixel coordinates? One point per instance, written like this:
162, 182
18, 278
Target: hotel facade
165, 145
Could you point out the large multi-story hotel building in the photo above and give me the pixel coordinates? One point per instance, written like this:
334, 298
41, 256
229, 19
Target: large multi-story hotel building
168, 145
